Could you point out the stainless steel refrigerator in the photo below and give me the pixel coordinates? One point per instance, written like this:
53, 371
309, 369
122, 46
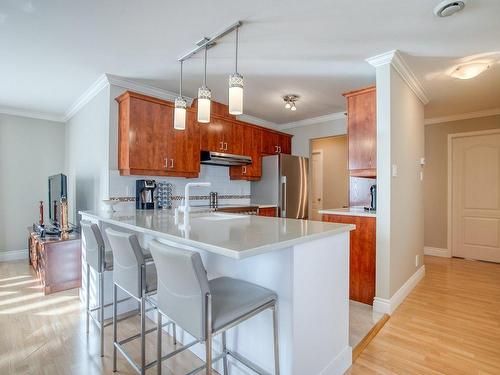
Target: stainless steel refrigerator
284, 182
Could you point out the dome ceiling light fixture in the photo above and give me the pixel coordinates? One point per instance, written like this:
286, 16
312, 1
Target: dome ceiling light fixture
290, 100
448, 8
469, 70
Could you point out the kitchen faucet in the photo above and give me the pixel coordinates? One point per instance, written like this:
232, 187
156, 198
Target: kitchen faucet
185, 208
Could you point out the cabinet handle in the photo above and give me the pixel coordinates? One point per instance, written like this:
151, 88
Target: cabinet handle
244, 170
225, 146
222, 145
276, 149
166, 163
171, 163
279, 149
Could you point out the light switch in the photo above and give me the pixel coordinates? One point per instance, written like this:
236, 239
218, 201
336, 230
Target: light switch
421, 175
394, 170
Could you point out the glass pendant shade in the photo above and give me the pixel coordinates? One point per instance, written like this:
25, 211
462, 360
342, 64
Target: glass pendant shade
204, 102
235, 94
180, 113
287, 105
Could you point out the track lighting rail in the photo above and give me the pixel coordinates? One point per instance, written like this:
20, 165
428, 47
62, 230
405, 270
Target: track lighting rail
209, 42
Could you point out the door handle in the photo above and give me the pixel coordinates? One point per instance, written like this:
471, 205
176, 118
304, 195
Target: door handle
283, 196
171, 163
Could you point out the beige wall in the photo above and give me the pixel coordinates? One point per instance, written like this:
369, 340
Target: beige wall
400, 212
30, 151
436, 174
335, 170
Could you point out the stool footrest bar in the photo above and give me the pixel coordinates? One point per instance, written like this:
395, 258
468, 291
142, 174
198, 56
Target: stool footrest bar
251, 365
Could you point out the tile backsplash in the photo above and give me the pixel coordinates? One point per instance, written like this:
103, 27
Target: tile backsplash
229, 191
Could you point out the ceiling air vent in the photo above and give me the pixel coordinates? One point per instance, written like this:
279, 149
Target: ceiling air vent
447, 8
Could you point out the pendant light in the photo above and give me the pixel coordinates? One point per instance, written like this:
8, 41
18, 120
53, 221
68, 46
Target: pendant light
236, 87
180, 109
204, 97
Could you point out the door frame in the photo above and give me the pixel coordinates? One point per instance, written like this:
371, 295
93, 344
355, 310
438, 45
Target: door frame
320, 152
451, 137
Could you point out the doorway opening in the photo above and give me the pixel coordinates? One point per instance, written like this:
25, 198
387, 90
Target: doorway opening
329, 174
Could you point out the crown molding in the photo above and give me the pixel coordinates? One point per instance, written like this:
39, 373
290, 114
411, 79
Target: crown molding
94, 89
145, 89
462, 116
313, 120
257, 121
397, 61
31, 114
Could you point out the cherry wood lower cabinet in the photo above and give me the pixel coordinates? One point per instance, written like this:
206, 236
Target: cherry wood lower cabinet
362, 256
57, 262
268, 211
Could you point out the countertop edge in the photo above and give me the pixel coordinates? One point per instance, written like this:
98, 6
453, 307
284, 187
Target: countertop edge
221, 250
347, 213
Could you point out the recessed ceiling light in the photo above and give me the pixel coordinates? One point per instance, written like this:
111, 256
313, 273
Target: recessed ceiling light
448, 8
469, 70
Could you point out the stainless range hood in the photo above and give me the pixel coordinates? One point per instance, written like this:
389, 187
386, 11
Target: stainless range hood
223, 159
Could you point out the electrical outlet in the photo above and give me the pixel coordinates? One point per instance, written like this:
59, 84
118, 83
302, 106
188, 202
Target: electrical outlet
417, 260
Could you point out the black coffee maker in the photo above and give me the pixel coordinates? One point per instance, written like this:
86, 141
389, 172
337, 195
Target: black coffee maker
144, 194
373, 199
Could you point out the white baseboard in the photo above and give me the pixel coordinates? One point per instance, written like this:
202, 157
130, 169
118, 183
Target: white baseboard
437, 252
9, 256
388, 306
340, 363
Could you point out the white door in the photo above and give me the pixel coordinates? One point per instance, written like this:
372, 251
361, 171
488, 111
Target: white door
475, 197
317, 184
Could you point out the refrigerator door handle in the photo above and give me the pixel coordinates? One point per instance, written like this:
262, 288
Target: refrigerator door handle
283, 196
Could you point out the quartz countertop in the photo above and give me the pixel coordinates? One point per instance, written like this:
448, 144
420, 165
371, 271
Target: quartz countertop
349, 211
233, 235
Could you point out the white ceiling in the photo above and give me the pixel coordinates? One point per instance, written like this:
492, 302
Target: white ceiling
53, 50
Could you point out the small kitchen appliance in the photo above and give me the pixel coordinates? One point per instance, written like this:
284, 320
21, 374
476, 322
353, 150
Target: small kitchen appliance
144, 194
373, 199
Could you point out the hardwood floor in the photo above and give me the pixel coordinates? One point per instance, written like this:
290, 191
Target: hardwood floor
46, 334
450, 324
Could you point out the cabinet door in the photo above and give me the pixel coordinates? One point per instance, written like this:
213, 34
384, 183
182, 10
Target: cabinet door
183, 147
362, 131
147, 148
285, 144
217, 135
255, 169
247, 139
270, 142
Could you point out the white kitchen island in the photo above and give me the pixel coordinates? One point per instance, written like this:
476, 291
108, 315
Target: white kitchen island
305, 262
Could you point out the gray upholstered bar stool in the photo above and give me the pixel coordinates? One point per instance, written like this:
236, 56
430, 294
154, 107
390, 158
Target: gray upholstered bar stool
136, 276
206, 308
100, 261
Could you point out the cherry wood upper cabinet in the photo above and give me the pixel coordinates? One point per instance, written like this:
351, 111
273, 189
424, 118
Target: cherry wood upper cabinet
276, 143
362, 132
248, 142
217, 135
148, 144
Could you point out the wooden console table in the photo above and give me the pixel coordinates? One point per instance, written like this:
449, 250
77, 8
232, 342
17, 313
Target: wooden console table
57, 262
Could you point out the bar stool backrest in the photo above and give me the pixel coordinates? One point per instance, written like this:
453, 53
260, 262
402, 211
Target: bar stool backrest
94, 245
182, 286
127, 261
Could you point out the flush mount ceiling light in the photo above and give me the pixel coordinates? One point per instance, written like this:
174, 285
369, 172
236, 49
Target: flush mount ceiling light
236, 87
448, 8
469, 70
180, 108
290, 101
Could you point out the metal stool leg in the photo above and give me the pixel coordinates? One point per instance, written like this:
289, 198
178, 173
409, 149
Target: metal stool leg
101, 310
208, 339
276, 340
224, 350
115, 336
175, 333
88, 300
158, 343
143, 335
